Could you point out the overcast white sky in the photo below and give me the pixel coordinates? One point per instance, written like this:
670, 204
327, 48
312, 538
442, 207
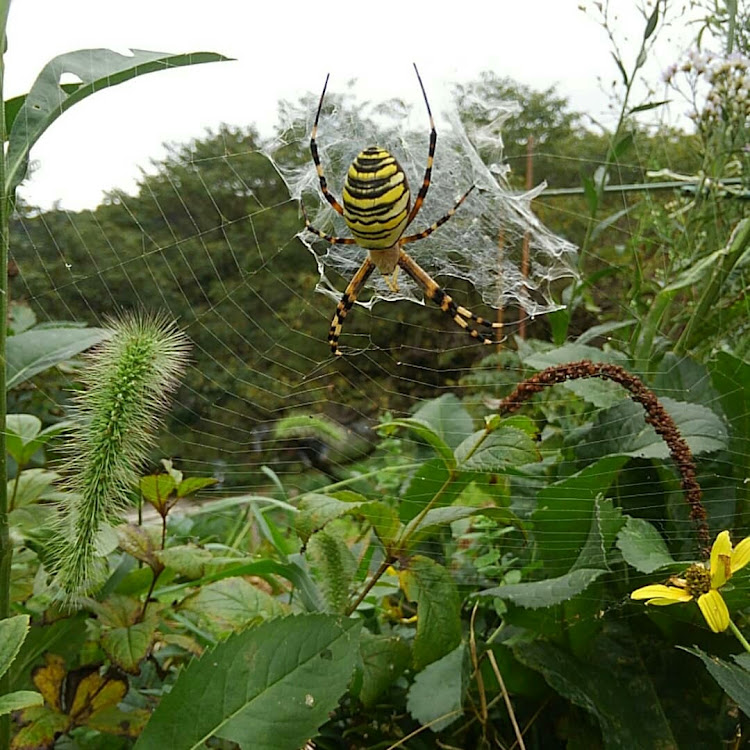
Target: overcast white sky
282, 50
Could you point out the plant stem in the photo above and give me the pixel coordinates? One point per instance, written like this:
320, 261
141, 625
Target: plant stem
6, 201
739, 636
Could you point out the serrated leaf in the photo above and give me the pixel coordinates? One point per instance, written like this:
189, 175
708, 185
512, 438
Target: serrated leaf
565, 509
606, 522
137, 542
97, 69
733, 679
384, 519
546, 593
34, 351
318, 510
277, 697
438, 609
231, 604
436, 695
186, 559
12, 633
192, 485
643, 547
383, 661
157, 489
19, 700
622, 429
44, 725
505, 448
128, 647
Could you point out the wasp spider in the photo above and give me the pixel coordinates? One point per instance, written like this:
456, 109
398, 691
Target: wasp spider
377, 210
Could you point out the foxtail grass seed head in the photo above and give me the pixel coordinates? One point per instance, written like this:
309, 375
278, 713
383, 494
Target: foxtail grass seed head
127, 383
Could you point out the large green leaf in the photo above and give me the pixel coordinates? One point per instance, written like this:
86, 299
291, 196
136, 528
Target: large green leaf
438, 609
447, 417
19, 700
317, 510
612, 684
267, 688
383, 661
97, 69
12, 633
733, 679
500, 450
433, 478
25, 436
437, 693
623, 430
643, 547
427, 433
546, 593
565, 510
231, 604
34, 351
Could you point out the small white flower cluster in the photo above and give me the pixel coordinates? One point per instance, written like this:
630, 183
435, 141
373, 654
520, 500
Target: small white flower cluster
727, 102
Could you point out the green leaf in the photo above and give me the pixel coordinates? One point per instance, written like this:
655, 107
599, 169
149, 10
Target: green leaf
621, 68
19, 700
97, 69
505, 448
653, 19
12, 633
447, 417
436, 517
384, 519
590, 194
438, 609
128, 647
191, 485
565, 511
621, 147
267, 688
606, 523
432, 478
318, 510
649, 105
383, 661
25, 436
428, 434
612, 684
733, 679
188, 560
436, 695
546, 593
643, 547
231, 604
622, 429
31, 487
156, 488
34, 351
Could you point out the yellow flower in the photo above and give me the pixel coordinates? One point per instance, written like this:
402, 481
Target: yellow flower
703, 583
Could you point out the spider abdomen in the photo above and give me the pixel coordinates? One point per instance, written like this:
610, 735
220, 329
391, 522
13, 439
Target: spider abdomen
376, 199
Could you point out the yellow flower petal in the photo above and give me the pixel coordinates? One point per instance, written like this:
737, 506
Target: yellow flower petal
658, 591
665, 602
714, 611
741, 554
721, 557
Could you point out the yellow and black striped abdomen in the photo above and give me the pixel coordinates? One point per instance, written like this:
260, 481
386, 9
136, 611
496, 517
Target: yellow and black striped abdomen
376, 199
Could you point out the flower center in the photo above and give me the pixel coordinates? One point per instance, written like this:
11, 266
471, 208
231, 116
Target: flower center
697, 580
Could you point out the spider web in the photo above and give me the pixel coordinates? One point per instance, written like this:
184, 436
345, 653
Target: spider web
213, 240
482, 244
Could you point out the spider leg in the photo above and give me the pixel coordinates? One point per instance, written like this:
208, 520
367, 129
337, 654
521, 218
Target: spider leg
439, 223
316, 157
461, 315
347, 300
327, 237
430, 156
